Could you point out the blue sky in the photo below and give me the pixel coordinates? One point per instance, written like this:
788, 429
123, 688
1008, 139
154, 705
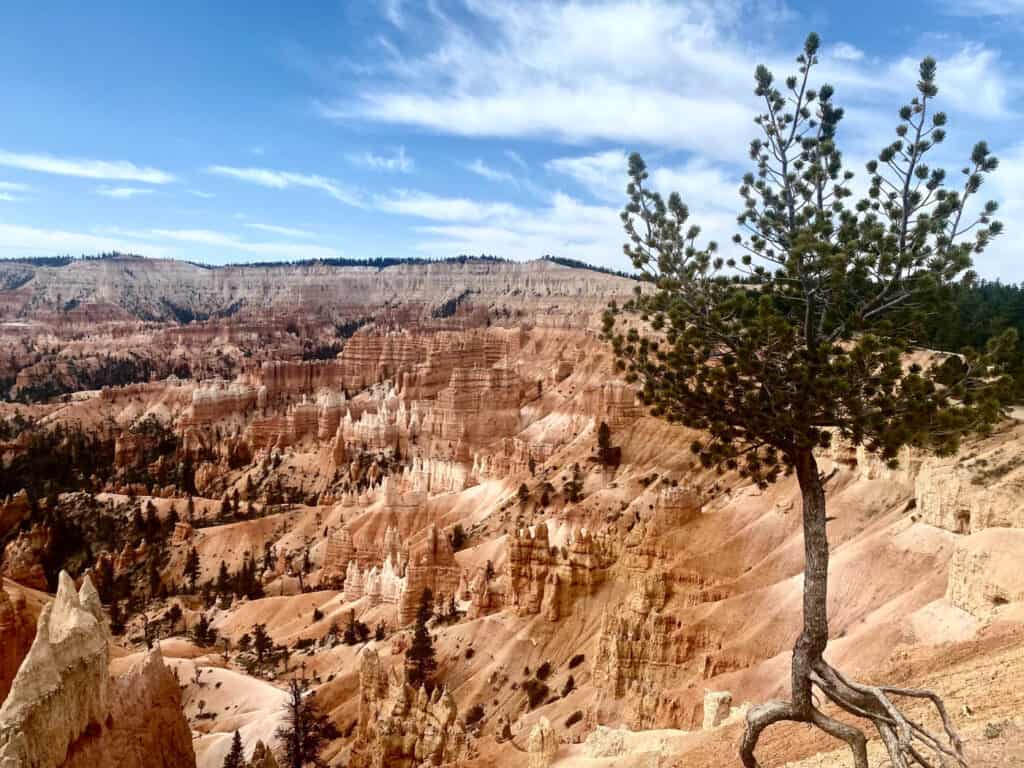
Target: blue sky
231, 131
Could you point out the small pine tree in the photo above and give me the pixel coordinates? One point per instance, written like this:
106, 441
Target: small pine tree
800, 338
202, 632
223, 579
261, 642
458, 537
192, 568
153, 574
174, 615
116, 619
305, 729
420, 658
235, 758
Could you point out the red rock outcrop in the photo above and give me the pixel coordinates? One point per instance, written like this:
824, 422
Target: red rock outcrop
637, 648
17, 628
13, 510
431, 566
546, 579
63, 709
400, 726
23, 557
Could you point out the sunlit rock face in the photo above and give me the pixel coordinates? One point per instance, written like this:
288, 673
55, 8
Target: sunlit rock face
399, 725
63, 708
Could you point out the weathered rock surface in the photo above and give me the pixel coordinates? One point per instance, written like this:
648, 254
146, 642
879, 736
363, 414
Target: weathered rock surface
717, 706
542, 744
987, 571
401, 726
17, 629
64, 710
138, 285
23, 557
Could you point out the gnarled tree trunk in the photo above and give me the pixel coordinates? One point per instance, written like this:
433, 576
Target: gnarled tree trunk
907, 742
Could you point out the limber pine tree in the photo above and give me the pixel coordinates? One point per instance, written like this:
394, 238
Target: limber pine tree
306, 730
802, 339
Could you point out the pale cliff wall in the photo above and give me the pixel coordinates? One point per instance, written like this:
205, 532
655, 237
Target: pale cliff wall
64, 711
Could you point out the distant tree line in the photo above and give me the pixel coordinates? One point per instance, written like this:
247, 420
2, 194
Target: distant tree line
577, 264
977, 313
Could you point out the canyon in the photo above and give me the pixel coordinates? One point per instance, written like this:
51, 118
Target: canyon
323, 445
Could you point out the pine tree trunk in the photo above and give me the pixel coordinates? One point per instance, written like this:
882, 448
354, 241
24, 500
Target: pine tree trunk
812, 641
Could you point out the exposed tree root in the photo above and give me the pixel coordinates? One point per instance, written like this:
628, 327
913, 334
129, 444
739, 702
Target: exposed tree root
908, 743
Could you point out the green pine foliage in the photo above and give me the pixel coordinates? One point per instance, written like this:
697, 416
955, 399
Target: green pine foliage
420, 658
235, 758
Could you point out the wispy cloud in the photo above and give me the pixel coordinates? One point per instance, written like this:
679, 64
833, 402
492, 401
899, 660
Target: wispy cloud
122, 193
273, 179
676, 75
397, 161
202, 194
982, 7
710, 191
847, 52
480, 168
217, 239
18, 240
515, 157
111, 170
563, 227
7, 187
394, 13
278, 230
427, 206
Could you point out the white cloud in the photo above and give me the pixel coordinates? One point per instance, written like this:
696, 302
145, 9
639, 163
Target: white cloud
217, 239
7, 197
398, 161
278, 230
982, 7
21, 240
122, 193
480, 168
394, 13
543, 75
565, 227
427, 206
847, 52
285, 179
1006, 185
12, 186
111, 170
710, 191
516, 158
603, 173
673, 74
200, 193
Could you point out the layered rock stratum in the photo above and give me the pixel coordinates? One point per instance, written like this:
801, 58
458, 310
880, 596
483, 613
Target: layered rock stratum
329, 443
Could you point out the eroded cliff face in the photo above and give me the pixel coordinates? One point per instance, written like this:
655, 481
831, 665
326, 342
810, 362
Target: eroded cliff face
17, 628
403, 727
623, 589
63, 708
155, 288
